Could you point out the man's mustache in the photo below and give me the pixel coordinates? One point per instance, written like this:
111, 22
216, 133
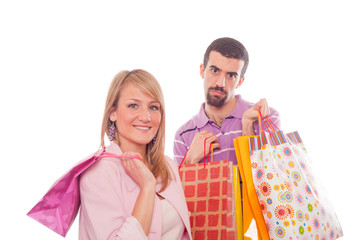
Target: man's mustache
217, 88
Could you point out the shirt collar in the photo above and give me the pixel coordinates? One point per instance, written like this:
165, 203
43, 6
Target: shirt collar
201, 119
240, 107
114, 148
238, 111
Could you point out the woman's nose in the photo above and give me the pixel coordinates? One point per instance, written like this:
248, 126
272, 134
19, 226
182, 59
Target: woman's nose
145, 115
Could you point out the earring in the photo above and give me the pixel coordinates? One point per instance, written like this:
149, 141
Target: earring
112, 130
154, 139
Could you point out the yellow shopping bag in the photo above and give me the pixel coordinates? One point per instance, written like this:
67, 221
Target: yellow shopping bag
238, 204
253, 223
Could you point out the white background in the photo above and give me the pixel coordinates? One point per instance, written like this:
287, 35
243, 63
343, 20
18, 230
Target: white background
57, 59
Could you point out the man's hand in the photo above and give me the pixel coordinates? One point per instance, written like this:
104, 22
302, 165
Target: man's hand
251, 115
196, 150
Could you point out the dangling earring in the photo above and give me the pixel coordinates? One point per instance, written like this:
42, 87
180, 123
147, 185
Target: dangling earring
112, 130
154, 139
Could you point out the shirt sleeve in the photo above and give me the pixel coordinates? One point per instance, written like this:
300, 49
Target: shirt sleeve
180, 148
275, 118
102, 203
128, 230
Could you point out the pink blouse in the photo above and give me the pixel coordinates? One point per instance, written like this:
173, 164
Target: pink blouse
108, 197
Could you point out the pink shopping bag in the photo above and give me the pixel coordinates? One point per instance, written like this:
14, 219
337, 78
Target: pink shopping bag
58, 208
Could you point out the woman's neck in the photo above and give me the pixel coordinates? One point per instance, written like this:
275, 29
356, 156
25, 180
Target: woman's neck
136, 148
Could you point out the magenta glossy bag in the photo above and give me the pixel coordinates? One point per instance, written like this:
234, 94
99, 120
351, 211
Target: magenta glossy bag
58, 208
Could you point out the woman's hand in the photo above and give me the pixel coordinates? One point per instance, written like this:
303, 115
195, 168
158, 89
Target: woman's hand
144, 205
138, 171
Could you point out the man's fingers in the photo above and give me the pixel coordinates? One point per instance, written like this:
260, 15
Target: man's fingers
203, 132
216, 145
211, 138
262, 105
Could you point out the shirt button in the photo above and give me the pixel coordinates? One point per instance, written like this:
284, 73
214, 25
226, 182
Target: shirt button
222, 132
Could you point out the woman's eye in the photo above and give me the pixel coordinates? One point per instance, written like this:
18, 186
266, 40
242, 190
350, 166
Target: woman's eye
154, 108
133, 105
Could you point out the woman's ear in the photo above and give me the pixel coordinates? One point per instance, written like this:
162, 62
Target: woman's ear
112, 114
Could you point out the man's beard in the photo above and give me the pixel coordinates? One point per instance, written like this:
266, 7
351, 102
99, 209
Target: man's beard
216, 101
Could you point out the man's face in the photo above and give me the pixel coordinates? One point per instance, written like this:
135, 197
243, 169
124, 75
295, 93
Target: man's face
221, 78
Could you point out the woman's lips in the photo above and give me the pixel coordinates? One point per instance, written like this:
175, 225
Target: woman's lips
142, 127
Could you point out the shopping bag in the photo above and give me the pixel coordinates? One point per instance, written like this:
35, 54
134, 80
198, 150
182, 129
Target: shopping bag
253, 226
209, 193
58, 208
291, 199
238, 204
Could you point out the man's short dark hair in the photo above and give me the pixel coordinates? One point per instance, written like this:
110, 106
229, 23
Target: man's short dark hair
230, 48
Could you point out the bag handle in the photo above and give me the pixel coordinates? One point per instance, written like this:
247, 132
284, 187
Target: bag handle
276, 136
210, 153
268, 123
183, 160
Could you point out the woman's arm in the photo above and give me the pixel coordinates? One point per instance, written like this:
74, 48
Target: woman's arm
144, 205
103, 213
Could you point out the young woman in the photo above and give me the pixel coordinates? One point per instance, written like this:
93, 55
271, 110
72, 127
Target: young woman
129, 198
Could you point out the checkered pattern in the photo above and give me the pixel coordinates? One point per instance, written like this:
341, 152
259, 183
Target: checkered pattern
209, 192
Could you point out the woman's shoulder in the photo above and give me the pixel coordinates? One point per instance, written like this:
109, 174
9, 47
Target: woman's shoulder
106, 164
173, 168
103, 168
171, 162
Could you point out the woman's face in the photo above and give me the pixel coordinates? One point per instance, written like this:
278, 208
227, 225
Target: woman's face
137, 117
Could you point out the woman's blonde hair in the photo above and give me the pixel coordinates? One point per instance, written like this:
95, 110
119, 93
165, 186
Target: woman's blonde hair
149, 85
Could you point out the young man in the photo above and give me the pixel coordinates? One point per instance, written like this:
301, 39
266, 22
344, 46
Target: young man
224, 115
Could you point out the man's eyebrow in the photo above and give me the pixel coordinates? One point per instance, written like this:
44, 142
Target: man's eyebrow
235, 73
213, 66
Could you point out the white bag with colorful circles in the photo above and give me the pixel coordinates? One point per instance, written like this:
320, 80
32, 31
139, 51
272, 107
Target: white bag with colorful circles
293, 204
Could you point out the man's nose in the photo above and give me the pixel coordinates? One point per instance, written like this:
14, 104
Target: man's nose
221, 81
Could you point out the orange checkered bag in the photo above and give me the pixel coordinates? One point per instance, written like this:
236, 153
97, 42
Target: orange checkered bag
209, 192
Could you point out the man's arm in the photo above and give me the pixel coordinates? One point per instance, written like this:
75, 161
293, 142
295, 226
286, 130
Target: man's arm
247, 127
180, 148
195, 152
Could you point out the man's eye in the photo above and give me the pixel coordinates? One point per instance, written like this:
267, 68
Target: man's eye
232, 75
215, 70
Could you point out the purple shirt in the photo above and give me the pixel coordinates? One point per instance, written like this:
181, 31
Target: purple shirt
231, 128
